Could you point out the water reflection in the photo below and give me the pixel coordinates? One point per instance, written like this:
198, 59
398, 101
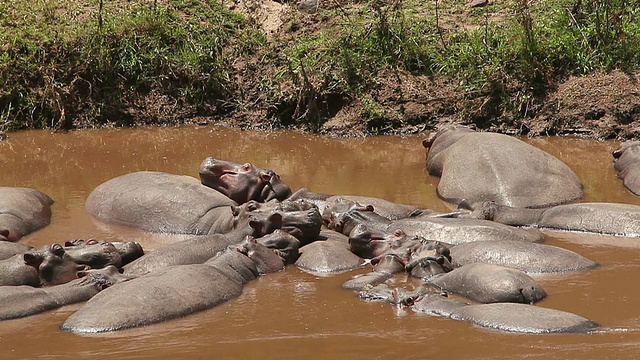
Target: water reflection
293, 314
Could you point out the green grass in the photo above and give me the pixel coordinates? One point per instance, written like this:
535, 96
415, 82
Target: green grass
75, 63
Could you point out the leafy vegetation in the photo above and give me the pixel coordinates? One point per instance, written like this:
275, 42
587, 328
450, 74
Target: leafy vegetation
64, 68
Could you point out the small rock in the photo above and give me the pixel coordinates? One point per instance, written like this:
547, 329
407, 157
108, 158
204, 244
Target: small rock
478, 3
308, 6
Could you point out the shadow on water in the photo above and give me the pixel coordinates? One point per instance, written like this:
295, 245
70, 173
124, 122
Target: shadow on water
294, 314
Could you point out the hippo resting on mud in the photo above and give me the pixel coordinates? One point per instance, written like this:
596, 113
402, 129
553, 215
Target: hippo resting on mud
176, 290
509, 317
600, 218
22, 211
627, 164
479, 166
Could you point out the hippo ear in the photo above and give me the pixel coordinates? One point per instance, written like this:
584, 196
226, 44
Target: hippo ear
261, 228
33, 259
235, 210
274, 187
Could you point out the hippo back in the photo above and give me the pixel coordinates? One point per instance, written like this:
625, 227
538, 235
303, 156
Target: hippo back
23, 210
161, 202
495, 167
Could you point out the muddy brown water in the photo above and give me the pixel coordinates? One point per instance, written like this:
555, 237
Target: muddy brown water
292, 314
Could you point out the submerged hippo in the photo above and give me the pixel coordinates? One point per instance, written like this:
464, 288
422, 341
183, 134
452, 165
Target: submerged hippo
56, 264
627, 164
487, 283
600, 218
525, 256
175, 291
479, 166
22, 211
21, 301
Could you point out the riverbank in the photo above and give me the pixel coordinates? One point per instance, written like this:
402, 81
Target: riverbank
341, 68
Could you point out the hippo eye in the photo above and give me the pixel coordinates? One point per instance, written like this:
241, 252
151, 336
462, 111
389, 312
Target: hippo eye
92, 242
252, 206
398, 233
57, 249
246, 167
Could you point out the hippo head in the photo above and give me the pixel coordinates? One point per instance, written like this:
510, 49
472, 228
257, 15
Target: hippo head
242, 182
129, 251
53, 265
345, 222
102, 278
299, 218
265, 259
371, 244
283, 244
99, 253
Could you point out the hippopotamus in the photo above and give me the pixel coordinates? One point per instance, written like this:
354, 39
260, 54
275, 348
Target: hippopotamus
242, 182
480, 166
300, 218
8, 249
199, 249
488, 283
524, 256
176, 290
21, 301
161, 202
627, 164
328, 256
55, 264
600, 218
22, 211
523, 318
395, 253
509, 317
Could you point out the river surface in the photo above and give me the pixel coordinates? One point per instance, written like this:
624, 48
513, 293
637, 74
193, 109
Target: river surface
292, 314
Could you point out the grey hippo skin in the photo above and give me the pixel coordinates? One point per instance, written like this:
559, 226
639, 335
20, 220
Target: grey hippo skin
21, 301
508, 317
175, 291
477, 166
161, 202
487, 283
8, 249
600, 218
627, 164
447, 230
523, 318
242, 182
55, 264
22, 211
525, 256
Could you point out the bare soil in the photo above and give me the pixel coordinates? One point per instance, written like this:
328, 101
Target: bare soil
599, 106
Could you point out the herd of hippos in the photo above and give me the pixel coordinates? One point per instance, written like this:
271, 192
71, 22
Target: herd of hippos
246, 222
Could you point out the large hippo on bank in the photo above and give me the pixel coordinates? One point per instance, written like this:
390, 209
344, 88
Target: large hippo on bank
627, 164
479, 166
22, 211
175, 291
